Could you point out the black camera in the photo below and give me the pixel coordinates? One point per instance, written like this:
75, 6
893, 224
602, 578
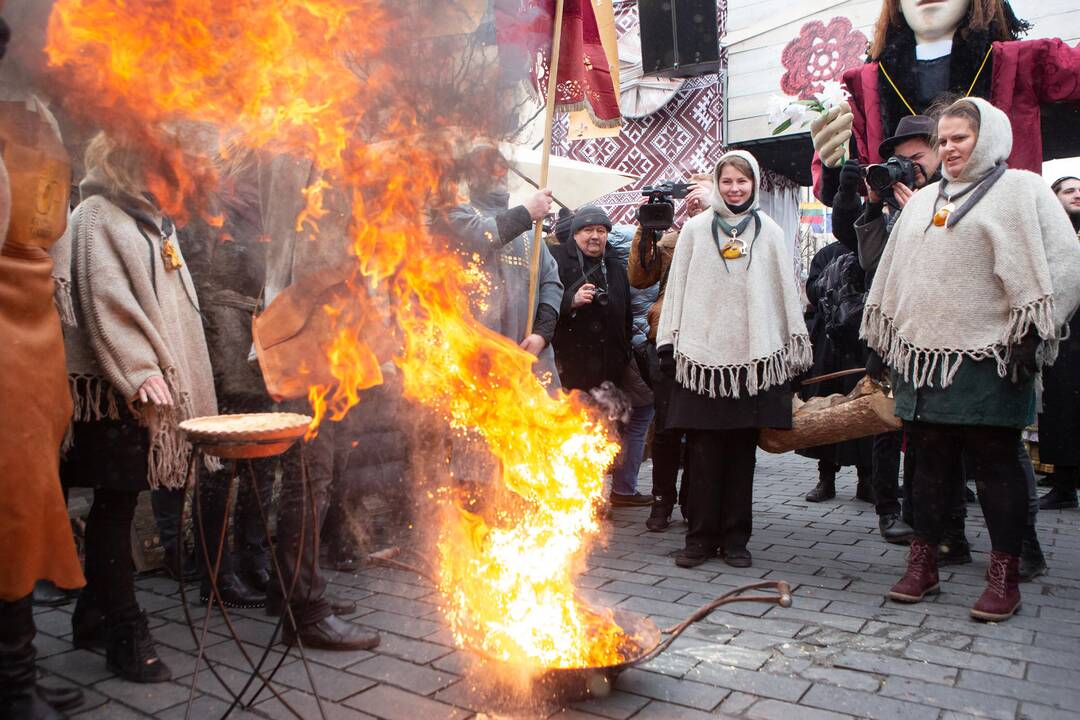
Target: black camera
896, 169
659, 213
600, 297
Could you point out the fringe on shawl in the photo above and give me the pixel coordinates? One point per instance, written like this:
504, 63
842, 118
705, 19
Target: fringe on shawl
64, 304
919, 366
759, 375
169, 457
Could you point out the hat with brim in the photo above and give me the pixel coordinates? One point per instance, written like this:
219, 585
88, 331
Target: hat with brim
910, 126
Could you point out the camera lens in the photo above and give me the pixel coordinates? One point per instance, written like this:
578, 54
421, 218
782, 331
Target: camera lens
601, 298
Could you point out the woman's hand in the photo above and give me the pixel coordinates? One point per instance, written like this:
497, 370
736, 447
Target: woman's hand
154, 390
583, 296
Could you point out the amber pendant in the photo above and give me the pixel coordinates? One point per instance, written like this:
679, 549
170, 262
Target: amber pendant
170, 256
942, 216
734, 248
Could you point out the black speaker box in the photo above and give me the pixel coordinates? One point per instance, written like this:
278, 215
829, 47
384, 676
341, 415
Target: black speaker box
679, 38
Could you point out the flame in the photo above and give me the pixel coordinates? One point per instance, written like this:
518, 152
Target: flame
317, 79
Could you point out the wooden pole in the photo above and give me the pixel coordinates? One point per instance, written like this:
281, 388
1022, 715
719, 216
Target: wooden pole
545, 161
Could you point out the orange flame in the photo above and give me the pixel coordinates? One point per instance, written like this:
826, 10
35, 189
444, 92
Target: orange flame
315, 79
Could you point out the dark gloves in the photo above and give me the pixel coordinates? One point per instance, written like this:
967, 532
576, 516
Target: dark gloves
1023, 362
850, 177
666, 354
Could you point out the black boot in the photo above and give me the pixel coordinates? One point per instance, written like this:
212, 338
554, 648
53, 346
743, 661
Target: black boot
88, 622
46, 594
233, 592
1058, 498
1032, 562
19, 699
864, 489
660, 517
180, 563
131, 653
255, 571
894, 529
954, 550
824, 490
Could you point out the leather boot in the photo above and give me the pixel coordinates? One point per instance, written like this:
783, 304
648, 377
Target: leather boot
660, 517
954, 550
1059, 498
131, 654
824, 490
1032, 561
921, 578
330, 633
19, 699
46, 594
1001, 598
894, 530
233, 592
88, 622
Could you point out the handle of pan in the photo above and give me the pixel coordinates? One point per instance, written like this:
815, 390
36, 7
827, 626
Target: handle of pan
781, 597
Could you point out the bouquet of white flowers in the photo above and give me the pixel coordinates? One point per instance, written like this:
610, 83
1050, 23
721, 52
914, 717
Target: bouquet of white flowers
785, 112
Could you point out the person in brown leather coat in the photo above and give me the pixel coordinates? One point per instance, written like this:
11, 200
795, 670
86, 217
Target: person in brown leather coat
646, 267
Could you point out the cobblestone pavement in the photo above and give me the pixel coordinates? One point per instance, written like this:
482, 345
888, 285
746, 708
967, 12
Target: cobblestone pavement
841, 651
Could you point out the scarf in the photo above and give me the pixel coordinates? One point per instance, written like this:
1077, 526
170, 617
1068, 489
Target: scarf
128, 318
1005, 264
739, 329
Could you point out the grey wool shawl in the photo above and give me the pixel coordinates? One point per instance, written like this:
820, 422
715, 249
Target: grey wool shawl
128, 319
1009, 266
735, 326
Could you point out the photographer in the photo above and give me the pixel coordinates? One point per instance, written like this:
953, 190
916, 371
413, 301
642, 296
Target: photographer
592, 336
650, 260
911, 165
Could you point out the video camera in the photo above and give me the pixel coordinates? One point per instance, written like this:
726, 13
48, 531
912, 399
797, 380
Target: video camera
882, 177
659, 213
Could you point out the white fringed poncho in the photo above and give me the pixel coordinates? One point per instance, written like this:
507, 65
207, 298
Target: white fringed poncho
735, 327
973, 291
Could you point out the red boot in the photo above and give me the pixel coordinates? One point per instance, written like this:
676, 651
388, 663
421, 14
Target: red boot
921, 578
1001, 598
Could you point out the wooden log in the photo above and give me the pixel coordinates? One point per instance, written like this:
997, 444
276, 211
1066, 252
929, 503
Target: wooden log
864, 412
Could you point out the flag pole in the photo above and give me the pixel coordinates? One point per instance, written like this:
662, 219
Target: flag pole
545, 161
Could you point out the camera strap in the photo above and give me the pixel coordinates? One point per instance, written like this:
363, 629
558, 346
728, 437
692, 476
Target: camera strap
585, 275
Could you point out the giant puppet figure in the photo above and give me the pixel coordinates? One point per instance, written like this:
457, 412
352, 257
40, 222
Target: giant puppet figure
926, 50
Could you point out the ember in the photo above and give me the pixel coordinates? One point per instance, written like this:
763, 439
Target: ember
316, 79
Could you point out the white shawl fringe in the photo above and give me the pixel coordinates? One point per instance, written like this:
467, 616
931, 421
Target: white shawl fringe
761, 374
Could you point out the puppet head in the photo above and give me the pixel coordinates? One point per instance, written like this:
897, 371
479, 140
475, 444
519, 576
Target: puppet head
940, 19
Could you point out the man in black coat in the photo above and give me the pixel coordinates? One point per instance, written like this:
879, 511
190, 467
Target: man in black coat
1059, 422
592, 337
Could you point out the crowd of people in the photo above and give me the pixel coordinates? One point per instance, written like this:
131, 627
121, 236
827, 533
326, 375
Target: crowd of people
956, 287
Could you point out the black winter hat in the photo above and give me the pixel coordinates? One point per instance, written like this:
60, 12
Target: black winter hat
589, 215
562, 225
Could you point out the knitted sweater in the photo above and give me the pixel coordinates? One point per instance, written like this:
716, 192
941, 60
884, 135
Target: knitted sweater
973, 290
735, 325
134, 320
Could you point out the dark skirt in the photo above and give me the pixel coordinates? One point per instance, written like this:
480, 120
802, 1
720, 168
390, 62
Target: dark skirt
687, 410
108, 454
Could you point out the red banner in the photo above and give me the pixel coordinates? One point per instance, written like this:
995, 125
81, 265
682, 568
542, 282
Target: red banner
584, 79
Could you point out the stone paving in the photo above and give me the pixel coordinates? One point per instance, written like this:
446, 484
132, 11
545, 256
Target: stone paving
841, 651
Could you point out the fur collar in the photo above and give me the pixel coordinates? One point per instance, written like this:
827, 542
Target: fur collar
969, 49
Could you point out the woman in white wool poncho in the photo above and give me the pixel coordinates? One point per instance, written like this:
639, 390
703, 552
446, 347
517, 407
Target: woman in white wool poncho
137, 365
732, 335
980, 275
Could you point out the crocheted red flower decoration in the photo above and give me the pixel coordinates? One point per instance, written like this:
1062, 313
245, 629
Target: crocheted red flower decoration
820, 53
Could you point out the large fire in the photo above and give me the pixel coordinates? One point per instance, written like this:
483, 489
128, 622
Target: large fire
318, 79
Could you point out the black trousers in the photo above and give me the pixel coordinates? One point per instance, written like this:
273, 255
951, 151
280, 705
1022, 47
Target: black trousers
18, 675
667, 447
302, 510
249, 536
110, 574
989, 454
721, 488
885, 477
